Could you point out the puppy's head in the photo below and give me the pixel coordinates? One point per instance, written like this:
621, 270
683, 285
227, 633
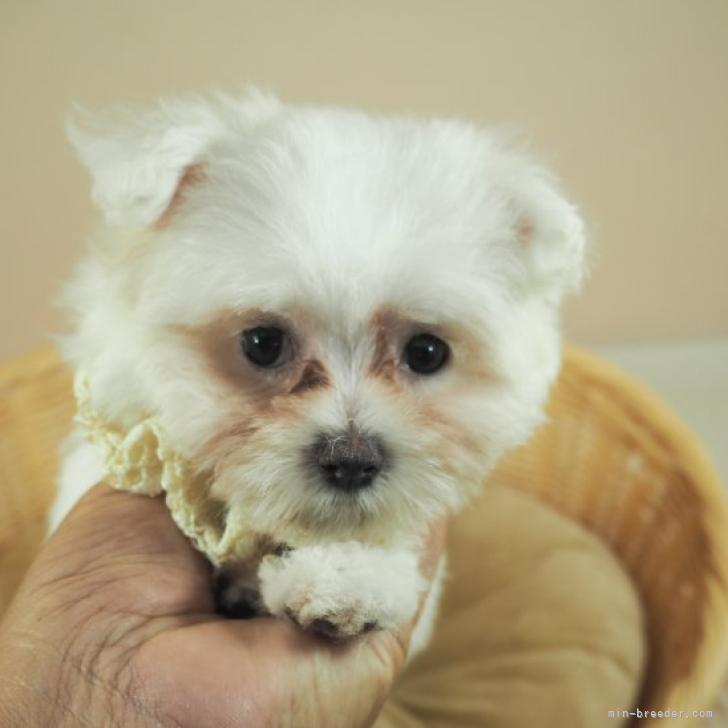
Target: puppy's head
346, 319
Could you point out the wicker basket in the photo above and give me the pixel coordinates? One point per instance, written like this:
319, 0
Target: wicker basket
615, 459
611, 457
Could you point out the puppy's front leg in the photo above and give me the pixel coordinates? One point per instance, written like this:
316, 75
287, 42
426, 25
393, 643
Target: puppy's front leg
342, 590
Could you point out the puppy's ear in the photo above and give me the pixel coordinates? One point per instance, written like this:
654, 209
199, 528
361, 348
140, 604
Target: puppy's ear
137, 161
549, 231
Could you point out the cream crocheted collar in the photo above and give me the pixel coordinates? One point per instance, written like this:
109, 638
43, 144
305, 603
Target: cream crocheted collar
138, 460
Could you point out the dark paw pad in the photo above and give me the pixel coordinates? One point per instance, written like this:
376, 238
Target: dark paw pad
326, 628
233, 600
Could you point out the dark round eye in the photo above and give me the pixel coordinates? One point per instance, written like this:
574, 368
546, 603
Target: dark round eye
266, 346
426, 354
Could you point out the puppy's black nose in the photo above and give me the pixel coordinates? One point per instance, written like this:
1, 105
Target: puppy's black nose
349, 461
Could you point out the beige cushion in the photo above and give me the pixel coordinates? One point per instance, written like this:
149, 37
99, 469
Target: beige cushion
540, 626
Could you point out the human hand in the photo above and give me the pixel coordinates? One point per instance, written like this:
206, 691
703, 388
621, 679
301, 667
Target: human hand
115, 625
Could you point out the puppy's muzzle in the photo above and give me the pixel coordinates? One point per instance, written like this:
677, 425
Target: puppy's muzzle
350, 460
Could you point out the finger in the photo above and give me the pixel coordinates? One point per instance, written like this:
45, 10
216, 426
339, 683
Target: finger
129, 549
278, 669
119, 524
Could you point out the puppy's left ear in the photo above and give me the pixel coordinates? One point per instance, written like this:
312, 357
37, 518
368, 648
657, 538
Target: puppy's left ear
549, 231
137, 161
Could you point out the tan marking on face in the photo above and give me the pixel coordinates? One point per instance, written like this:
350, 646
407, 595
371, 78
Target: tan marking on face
312, 377
249, 398
243, 426
386, 327
193, 175
391, 330
384, 364
430, 417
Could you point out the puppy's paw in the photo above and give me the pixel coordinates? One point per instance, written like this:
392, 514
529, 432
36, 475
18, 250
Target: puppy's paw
342, 590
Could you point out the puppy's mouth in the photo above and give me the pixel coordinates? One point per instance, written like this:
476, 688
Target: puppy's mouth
332, 510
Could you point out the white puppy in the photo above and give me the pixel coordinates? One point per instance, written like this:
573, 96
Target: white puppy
343, 321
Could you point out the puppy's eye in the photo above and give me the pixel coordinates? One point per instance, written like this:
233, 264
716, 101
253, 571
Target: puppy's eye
426, 354
266, 346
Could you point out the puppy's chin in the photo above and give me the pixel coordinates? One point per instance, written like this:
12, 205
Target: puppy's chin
360, 517
391, 509
317, 509
331, 511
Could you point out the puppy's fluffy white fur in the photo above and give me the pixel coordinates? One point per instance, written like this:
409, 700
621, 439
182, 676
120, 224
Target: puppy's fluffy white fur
353, 233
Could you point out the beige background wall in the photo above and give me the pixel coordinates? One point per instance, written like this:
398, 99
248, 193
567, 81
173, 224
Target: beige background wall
628, 99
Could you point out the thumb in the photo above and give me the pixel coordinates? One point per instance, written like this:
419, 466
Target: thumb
267, 672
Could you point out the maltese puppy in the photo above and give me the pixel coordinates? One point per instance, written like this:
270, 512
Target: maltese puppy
337, 322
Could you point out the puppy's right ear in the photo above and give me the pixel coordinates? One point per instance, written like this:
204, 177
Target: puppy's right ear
138, 160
